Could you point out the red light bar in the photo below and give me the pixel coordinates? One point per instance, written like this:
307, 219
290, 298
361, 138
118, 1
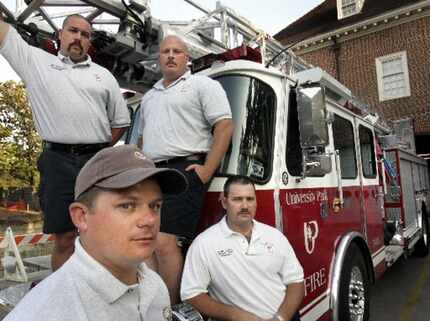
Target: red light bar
350, 106
49, 46
243, 52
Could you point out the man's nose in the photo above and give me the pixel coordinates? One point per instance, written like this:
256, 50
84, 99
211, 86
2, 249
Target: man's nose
245, 204
146, 217
170, 53
78, 35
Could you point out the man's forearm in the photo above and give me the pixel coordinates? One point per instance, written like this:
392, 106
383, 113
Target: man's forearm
292, 300
117, 134
4, 29
219, 311
221, 140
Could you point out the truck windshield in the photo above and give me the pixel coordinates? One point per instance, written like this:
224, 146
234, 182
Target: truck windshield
253, 105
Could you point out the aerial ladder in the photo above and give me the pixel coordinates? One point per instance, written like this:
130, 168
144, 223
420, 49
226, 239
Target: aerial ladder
126, 39
126, 36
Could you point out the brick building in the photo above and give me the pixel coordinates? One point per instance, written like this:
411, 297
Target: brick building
377, 48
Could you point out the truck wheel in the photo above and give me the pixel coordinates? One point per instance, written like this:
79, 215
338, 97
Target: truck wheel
354, 287
421, 249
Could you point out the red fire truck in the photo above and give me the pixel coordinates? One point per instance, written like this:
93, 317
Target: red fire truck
349, 208
348, 194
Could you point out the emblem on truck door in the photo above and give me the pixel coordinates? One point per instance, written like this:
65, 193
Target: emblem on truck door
311, 232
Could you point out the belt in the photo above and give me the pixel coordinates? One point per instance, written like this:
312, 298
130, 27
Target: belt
189, 158
77, 149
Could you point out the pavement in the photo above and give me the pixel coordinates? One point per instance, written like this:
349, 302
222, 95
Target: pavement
11, 292
403, 293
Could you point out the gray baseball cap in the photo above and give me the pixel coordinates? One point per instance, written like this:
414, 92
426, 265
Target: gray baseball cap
124, 166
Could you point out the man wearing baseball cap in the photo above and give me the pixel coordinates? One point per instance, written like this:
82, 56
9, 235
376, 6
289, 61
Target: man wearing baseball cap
118, 198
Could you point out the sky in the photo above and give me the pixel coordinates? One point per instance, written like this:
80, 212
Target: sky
269, 15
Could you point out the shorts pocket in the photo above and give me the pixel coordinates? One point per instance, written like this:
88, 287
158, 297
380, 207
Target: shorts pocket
196, 176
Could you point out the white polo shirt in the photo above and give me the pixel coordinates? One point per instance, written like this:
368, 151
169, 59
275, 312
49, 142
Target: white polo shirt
71, 103
252, 276
177, 120
82, 289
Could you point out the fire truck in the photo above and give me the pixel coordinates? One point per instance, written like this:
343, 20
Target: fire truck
350, 195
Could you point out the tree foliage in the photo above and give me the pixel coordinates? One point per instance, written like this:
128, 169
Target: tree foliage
20, 144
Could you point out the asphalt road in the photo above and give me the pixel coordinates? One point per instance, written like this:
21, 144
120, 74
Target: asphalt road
403, 293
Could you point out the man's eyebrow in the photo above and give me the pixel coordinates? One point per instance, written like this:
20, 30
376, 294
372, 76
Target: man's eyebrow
134, 197
158, 199
76, 28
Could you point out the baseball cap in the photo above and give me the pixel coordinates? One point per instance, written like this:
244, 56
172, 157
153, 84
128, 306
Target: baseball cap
124, 166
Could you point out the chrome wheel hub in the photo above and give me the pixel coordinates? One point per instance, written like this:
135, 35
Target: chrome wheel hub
356, 295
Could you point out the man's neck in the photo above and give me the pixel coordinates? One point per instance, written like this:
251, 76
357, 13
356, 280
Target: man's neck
127, 277
75, 61
167, 81
126, 274
245, 230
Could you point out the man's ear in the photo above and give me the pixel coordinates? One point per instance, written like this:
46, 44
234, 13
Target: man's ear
78, 214
223, 201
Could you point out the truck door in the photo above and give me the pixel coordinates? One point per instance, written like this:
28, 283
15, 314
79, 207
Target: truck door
371, 200
344, 142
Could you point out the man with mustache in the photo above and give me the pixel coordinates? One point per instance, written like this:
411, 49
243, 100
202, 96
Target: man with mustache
119, 195
77, 109
185, 124
241, 269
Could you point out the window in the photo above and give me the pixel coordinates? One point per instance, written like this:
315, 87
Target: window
393, 76
253, 106
343, 137
367, 152
294, 155
347, 8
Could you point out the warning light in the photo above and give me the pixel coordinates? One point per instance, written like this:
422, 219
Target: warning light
243, 53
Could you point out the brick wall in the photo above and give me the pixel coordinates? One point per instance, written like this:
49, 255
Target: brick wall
357, 69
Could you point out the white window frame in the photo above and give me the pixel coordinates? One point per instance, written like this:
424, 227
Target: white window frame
340, 11
379, 61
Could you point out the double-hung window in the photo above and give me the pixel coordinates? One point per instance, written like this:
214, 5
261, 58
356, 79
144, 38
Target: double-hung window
393, 76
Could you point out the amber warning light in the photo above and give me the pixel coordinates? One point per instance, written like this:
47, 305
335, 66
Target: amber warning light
243, 52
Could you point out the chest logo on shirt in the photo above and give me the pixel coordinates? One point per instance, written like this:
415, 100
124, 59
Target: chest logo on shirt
167, 314
269, 247
57, 67
185, 88
97, 77
226, 252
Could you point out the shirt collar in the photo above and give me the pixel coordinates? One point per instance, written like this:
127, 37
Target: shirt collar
66, 59
227, 232
98, 277
159, 84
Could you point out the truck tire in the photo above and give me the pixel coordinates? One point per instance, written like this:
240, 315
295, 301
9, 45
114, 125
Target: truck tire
421, 249
354, 289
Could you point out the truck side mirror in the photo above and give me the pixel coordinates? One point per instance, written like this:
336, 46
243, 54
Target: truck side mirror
316, 164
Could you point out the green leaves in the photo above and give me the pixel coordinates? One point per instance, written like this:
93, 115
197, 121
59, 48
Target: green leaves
20, 144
